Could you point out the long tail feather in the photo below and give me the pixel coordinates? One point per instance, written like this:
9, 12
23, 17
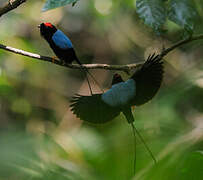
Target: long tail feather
89, 85
135, 158
146, 146
88, 82
86, 70
95, 81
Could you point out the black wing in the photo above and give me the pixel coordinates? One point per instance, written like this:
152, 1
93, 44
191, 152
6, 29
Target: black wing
148, 80
92, 109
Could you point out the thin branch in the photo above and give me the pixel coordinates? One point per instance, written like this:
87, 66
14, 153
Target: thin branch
125, 68
10, 5
180, 43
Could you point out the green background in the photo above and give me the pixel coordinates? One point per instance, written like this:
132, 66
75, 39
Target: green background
39, 136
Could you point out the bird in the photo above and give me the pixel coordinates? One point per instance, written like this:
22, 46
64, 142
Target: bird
62, 47
140, 88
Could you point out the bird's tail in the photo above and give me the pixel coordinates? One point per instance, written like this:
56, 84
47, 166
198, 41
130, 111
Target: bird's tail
129, 116
135, 157
141, 138
86, 70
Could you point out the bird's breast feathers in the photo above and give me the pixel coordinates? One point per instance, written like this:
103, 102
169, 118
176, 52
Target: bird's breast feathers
120, 93
61, 40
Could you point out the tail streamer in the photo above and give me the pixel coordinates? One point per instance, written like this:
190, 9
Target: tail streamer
95, 80
88, 82
86, 70
146, 146
135, 157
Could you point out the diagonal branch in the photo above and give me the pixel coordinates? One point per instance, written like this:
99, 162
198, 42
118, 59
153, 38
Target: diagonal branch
10, 5
125, 68
180, 43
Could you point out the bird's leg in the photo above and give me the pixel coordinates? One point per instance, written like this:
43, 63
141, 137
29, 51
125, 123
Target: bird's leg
133, 108
53, 59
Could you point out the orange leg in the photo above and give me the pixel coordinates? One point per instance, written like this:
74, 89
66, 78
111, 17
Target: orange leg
54, 58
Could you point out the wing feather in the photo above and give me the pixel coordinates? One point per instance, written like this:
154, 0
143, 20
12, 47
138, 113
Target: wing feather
61, 40
148, 80
92, 109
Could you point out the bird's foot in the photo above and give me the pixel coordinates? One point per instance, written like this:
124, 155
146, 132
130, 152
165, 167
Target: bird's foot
53, 59
133, 108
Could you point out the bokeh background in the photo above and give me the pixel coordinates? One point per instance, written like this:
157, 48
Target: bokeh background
39, 136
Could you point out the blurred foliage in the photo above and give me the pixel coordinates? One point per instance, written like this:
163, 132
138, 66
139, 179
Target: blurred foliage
183, 13
152, 12
51, 4
155, 12
41, 139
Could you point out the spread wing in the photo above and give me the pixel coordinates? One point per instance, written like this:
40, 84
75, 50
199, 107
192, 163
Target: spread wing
93, 109
148, 80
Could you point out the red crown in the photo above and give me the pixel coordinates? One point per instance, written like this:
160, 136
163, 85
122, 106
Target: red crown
48, 24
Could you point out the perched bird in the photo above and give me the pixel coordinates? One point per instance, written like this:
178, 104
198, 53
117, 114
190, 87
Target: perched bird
137, 90
61, 45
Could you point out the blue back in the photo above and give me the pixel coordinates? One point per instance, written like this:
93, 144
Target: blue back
120, 93
61, 40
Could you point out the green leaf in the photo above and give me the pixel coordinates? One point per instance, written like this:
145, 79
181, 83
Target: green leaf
183, 13
152, 12
51, 4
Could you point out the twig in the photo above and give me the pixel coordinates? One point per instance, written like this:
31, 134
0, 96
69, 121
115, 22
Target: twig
125, 68
10, 5
180, 43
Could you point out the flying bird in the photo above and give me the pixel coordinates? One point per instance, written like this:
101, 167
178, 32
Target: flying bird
62, 46
140, 88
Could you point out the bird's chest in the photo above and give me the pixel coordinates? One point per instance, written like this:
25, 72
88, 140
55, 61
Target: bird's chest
66, 55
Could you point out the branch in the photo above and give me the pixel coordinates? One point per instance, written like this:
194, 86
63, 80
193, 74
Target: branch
10, 5
180, 43
125, 68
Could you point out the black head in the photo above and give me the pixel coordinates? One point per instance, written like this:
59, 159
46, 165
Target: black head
47, 30
116, 79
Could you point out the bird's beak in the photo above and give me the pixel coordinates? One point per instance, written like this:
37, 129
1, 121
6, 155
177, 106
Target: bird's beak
38, 26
